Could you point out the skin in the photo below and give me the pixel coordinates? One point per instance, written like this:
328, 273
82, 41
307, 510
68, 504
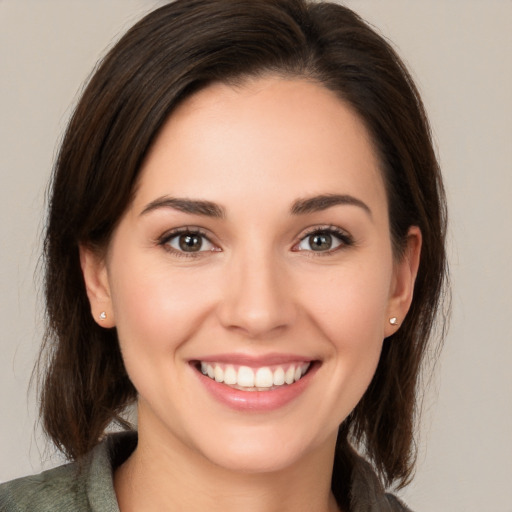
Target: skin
258, 288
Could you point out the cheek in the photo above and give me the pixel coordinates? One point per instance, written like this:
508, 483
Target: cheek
350, 304
155, 306
349, 307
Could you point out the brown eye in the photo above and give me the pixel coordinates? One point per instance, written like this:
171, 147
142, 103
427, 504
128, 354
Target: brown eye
190, 242
324, 240
320, 241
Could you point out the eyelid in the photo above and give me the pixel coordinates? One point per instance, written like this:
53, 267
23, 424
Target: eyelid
166, 237
343, 236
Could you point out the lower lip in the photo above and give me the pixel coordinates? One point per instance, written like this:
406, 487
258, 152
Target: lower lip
256, 401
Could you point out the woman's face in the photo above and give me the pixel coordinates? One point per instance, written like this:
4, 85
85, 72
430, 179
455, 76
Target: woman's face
256, 251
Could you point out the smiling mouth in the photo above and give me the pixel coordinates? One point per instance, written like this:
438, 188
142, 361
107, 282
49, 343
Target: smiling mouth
245, 378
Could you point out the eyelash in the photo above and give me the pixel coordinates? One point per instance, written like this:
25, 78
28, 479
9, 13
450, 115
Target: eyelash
343, 237
164, 240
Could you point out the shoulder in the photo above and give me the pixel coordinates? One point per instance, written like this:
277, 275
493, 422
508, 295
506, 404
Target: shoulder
57, 489
396, 504
84, 487
368, 494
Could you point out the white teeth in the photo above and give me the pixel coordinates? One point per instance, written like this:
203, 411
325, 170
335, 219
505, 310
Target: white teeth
230, 376
245, 377
279, 377
218, 374
262, 378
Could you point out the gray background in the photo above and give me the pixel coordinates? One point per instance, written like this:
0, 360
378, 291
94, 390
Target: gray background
460, 54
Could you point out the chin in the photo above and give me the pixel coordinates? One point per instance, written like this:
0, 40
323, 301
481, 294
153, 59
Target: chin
268, 453
254, 462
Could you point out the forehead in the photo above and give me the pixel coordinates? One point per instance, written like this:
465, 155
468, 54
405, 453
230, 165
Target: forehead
268, 135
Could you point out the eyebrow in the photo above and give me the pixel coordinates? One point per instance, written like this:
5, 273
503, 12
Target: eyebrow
299, 207
194, 206
325, 201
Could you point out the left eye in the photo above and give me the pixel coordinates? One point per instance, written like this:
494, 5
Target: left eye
190, 242
320, 241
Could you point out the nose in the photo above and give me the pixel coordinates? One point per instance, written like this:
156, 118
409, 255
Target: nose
257, 299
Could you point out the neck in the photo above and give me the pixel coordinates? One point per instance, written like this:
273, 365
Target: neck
167, 476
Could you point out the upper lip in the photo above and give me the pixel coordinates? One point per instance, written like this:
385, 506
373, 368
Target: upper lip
254, 361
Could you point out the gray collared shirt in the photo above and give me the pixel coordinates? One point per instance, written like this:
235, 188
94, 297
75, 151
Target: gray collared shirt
89, 486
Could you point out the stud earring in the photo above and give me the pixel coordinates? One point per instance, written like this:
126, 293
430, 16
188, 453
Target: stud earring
103, 315
393, 321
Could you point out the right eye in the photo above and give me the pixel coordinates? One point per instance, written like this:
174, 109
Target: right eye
187, 243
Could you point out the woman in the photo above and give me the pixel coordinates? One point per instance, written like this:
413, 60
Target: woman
246, 238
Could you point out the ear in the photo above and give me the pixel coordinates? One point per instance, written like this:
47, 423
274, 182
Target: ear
94, 270
404, 277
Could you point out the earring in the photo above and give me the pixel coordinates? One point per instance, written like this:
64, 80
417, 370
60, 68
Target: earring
393, 321
103, 315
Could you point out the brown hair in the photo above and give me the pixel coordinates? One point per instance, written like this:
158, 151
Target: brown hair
174, 51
